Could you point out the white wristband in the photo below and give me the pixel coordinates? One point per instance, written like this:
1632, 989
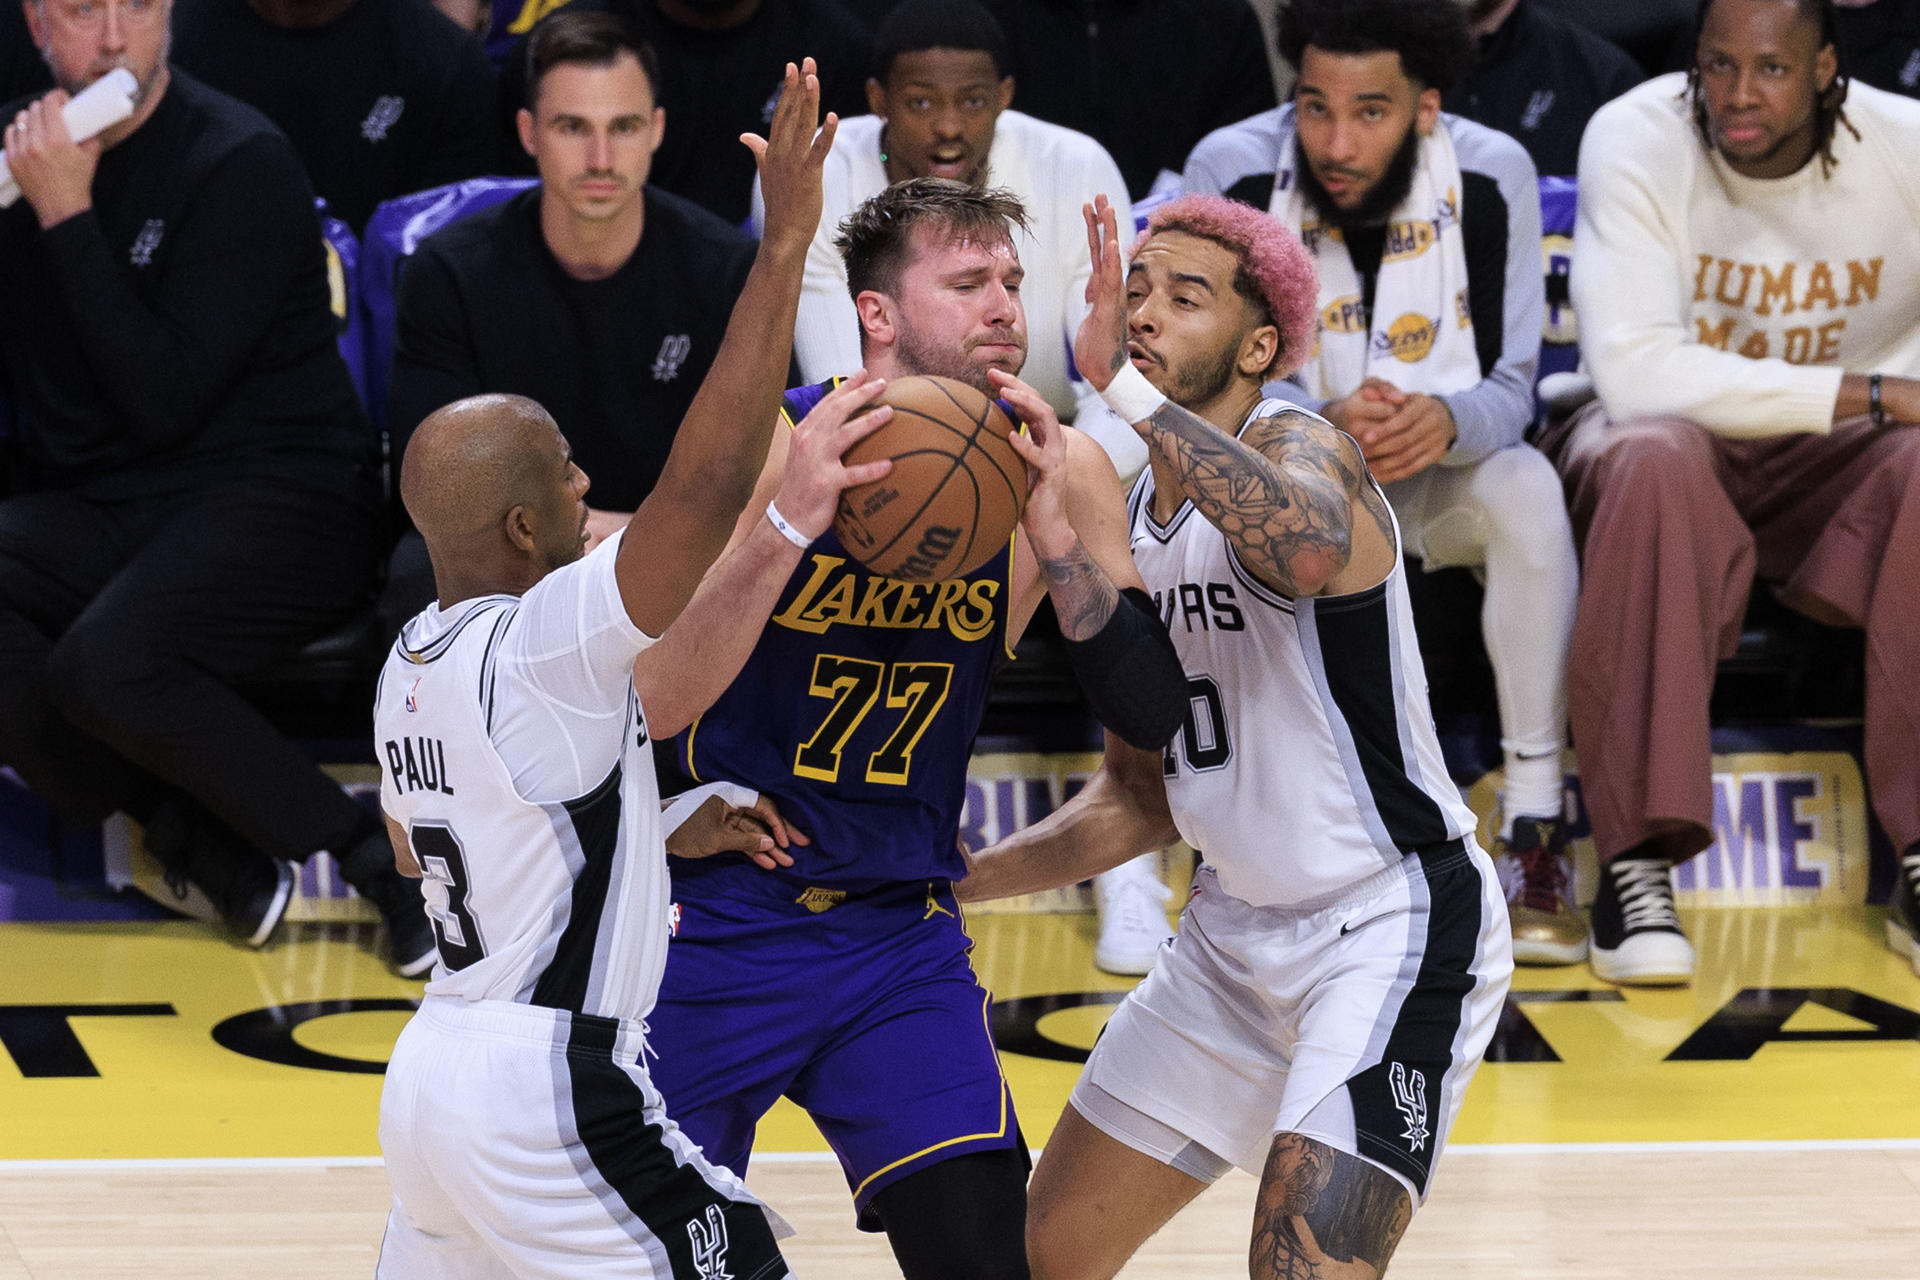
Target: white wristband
1131, 396
787, 531
683, 805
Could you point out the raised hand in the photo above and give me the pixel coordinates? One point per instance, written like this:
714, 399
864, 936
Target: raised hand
1044, 449
1100, 348
815, 474
791, 156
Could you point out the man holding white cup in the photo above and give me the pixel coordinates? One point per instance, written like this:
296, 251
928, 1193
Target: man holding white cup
194, 497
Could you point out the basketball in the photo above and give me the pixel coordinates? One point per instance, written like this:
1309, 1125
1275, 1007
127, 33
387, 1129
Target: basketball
955, 492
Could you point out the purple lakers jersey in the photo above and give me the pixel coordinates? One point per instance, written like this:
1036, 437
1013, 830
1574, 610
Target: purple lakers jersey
858, 708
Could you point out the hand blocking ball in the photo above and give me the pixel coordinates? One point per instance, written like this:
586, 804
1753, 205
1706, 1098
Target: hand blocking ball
955, 492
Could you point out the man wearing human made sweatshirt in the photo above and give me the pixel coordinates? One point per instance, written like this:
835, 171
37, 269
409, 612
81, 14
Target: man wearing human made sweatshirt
1747, 278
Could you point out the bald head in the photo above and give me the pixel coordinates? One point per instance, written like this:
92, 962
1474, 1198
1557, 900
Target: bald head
471, 462
490, 484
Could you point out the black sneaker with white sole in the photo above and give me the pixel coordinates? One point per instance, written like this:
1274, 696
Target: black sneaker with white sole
1903, 910
248, 888
1637, 940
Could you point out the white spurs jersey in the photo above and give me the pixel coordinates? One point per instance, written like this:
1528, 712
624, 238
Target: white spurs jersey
514, 752
1309, 760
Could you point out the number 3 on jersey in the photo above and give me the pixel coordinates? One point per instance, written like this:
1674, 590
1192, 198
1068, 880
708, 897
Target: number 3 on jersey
853, 685
1204, 739
443, 862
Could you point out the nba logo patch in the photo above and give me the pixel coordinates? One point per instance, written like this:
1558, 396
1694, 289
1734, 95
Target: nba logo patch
413, 702
673, 920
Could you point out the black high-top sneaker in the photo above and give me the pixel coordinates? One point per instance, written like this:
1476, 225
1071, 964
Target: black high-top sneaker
368, 866
248, 888
1903, 909
1636, 933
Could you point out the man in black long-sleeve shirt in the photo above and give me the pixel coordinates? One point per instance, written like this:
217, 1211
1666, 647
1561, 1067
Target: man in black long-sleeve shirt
378, 97
195, 499
1538, 78
1082, 64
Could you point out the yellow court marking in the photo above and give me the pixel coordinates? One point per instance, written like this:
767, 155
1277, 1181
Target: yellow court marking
1803, 1027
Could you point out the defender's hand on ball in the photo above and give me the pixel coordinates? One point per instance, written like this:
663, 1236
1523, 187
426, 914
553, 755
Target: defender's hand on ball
791, 156
1100, 348
757, 830
815, 474
1044, 449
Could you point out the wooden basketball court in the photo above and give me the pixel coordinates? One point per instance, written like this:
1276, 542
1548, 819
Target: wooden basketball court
172, 1106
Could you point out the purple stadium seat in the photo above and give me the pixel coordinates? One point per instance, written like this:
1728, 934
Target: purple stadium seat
393, 232
343, 282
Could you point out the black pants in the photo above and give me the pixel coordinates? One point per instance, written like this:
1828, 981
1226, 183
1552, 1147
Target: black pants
125, 622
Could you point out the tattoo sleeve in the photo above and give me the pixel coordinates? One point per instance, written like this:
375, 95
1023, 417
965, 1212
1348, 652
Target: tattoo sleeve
1084, 597
1283, 494
1324, 1215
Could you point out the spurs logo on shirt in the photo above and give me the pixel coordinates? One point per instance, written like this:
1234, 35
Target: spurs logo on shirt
384, 115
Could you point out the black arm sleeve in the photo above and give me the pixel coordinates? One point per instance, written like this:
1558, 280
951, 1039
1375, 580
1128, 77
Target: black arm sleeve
163, 362
1131, 674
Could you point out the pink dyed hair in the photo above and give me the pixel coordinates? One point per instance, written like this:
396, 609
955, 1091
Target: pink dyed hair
1276, 270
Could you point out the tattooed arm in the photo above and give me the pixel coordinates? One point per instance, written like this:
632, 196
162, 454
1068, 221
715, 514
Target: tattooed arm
1073, 544
1288, 493
1324, 1215
1284, 494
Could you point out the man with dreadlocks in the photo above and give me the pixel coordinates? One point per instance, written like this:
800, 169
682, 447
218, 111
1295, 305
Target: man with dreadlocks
1748, 285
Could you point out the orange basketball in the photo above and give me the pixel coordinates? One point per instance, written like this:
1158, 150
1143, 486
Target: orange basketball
955, 492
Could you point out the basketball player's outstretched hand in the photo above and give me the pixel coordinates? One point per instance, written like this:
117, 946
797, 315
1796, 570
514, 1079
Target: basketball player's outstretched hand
1100, 348
1044, 447
815, 475
791, 156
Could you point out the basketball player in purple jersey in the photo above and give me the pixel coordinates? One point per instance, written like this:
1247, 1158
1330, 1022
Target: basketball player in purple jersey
843, 982
1341, 964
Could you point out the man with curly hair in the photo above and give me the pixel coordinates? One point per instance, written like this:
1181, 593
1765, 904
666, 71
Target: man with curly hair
1340, 967
1425, 229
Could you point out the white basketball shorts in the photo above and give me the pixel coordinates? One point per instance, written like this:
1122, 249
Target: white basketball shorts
1357, 1023
524, 1141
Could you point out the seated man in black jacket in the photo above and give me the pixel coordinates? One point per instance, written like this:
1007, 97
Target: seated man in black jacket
196, 499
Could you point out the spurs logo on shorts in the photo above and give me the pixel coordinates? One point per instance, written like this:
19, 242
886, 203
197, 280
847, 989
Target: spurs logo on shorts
1410, 1100
710, 1245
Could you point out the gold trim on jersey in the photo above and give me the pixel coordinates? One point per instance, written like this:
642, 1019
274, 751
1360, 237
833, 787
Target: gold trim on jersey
986, 1022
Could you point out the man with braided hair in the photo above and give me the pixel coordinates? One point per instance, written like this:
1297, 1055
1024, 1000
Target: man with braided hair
1757, 372
1341, 964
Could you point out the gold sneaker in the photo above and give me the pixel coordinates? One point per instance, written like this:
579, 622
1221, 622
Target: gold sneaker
1537, 873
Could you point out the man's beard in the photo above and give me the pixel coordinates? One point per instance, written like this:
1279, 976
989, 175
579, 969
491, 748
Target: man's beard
1378, 204
944, 361
1193, 386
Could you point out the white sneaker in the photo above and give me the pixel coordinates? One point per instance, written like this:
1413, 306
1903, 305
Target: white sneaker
1132, 902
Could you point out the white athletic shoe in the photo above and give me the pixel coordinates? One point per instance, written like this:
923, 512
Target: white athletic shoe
1132, 902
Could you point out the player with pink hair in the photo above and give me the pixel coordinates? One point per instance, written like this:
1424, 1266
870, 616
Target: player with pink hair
1342, 963
1274, 268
